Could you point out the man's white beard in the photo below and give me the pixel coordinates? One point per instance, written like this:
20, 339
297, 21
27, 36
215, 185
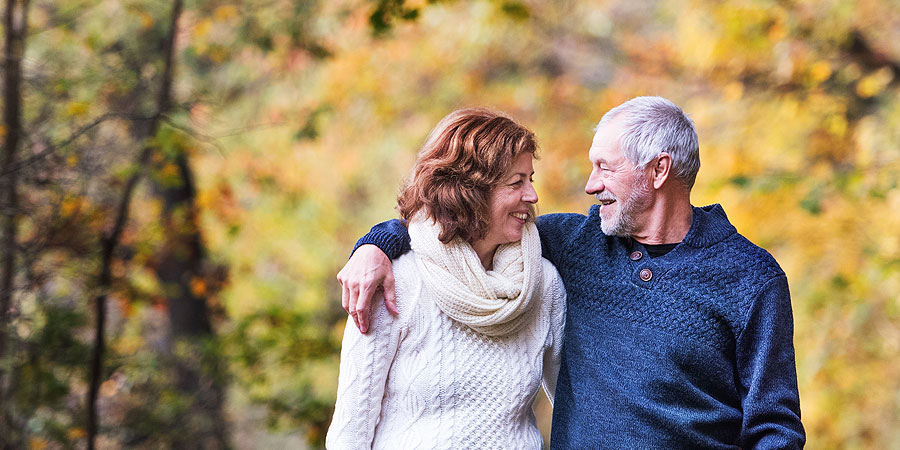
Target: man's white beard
624, 222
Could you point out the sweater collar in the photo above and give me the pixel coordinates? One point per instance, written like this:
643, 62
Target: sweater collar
709, 225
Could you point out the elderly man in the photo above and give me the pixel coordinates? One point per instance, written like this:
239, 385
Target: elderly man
679, 331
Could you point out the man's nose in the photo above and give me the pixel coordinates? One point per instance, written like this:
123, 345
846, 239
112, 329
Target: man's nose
594, 184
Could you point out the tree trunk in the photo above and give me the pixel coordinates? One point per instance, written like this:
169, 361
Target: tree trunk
109, 244
181, 270
16, 22
182, 259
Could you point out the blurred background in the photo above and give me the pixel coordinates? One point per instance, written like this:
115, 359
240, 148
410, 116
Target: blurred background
180, 181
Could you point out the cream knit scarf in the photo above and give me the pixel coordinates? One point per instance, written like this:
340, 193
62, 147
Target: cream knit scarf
492, 302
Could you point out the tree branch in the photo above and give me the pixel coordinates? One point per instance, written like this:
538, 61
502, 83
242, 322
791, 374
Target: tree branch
66, 142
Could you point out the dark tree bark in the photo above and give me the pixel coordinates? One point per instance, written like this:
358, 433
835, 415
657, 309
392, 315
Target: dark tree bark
111, 241
108, 247
16, 22
180, 264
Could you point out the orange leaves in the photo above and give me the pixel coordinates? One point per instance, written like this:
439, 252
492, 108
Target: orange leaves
71, 205
198, 287
820, 71
146, 20
169, 171
76, 433
733, 91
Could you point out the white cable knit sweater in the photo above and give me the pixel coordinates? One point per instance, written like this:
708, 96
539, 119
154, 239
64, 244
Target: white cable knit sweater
424, 381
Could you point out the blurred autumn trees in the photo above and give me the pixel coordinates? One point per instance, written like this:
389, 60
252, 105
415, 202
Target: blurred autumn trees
180, 181
102, 115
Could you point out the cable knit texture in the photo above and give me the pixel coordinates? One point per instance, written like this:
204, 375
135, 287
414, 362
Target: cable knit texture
490, 302
423, 380
689, 350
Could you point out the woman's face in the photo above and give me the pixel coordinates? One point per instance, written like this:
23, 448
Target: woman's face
510, 203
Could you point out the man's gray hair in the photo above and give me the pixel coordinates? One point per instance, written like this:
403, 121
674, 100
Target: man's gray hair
654, 125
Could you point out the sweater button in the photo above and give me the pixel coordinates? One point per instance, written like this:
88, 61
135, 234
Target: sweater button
636, 255
646, 274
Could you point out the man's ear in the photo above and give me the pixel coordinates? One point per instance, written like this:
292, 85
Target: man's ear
661, 168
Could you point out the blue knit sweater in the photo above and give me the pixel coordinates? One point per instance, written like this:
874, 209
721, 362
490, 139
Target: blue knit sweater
692, 349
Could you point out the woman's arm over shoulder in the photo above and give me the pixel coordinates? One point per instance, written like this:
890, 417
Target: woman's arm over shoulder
555, 297
365, 362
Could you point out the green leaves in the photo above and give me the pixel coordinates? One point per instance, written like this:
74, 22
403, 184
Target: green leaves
386, 12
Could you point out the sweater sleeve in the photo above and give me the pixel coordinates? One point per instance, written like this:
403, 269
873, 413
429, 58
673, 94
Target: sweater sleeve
391, 237
555, 294
556, 231
765, 363
365, 362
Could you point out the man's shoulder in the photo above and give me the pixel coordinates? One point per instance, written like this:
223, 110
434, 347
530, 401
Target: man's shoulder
740, 250
726, 247
566, 222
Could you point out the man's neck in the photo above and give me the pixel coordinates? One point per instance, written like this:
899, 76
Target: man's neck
667, 221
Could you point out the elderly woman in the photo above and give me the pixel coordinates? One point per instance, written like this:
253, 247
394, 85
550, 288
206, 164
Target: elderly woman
480, 312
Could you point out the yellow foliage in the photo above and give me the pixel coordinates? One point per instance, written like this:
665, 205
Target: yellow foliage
77, 109
872, 84
218, 54
820, 71
226, 12
769, 84
202, 28
37, 444
128, 345
837, 125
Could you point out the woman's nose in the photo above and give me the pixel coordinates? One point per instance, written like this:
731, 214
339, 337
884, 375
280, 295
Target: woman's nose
530, 195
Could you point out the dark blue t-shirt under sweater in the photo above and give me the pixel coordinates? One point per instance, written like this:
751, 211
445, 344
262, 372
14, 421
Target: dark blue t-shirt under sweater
692, 349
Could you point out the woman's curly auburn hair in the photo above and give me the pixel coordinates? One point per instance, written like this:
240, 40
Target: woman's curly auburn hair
464, 158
